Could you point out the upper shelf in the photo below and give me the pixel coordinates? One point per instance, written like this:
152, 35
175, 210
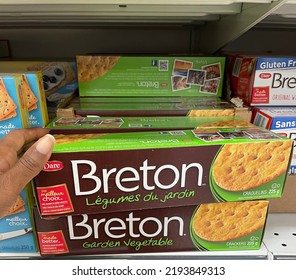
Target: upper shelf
215, 21
112, 12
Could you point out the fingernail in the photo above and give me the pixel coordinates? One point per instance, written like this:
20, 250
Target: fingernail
45, 144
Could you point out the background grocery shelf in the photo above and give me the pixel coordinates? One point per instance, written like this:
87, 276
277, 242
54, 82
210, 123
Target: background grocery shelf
129, 26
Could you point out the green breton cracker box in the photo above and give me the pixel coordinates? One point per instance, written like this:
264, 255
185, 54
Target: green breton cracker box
133, 109
224, 226
158, 106
111, 172
203, 100
13, 109
74, 125
105, 75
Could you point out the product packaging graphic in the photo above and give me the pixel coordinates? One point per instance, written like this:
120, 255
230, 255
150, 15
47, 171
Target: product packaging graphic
102, 75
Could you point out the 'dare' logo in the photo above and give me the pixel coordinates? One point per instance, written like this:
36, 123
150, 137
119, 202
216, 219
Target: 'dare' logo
265, 75
54, 165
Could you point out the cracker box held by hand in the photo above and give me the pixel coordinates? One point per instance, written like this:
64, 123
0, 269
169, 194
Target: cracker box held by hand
98, 173
220, 226
103, 75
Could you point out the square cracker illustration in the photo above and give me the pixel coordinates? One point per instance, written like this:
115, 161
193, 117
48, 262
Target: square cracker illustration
7, 106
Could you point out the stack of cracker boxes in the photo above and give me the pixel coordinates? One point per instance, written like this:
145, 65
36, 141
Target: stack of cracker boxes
165, 165
267, 85
124, 178
22, 105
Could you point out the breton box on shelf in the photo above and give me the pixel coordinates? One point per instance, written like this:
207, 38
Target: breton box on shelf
220, 226
263, 81
281, 120
201, 100
107, 75
123, 109
13, 108
153, 107
74, 125
100, 173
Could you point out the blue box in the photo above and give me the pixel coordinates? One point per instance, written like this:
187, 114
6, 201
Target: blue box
16, 229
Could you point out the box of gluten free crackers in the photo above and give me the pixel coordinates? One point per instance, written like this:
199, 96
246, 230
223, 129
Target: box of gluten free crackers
102, 173
262, 80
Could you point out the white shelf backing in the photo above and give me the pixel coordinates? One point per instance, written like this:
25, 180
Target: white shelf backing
280, 235
229, 28
281, 18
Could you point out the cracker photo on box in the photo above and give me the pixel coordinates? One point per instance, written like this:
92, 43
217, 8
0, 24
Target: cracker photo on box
7, 106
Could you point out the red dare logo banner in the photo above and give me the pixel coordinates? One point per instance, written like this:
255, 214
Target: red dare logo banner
54, 165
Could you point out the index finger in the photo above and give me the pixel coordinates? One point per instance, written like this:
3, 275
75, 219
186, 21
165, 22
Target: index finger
17, 138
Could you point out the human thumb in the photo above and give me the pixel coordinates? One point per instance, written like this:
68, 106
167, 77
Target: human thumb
32, 162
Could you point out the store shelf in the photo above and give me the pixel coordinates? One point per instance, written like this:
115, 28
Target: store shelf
280, 235
219, 21
29, 12
114, 12
201, 26
261, 254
